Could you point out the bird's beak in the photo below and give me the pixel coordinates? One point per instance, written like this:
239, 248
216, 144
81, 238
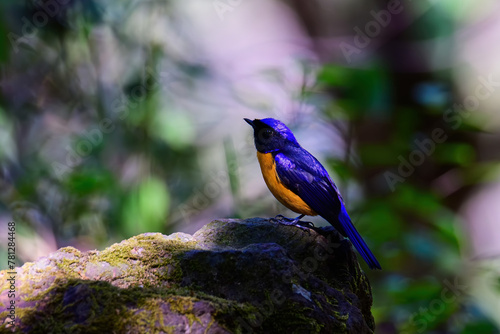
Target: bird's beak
249, 122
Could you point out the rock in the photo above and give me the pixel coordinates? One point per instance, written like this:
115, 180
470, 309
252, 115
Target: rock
232, 276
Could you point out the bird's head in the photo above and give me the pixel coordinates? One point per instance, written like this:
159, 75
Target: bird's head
271, 135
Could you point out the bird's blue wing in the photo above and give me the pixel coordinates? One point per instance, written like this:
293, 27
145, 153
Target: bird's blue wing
300, 172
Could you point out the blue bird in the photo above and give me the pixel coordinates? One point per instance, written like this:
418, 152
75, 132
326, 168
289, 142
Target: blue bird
299, 181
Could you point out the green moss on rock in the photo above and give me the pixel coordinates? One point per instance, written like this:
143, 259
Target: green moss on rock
232, 276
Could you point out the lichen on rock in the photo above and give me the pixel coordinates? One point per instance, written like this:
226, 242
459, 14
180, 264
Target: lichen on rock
232, 276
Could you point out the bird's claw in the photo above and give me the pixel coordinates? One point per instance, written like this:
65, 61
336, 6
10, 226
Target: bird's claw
283, 218
306, 224
280, 219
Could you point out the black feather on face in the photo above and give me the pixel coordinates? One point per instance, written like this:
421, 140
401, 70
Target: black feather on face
266, 138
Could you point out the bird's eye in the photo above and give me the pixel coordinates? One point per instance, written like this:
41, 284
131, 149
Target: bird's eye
266, 134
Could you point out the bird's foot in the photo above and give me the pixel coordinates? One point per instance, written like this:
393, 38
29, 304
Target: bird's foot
280, 219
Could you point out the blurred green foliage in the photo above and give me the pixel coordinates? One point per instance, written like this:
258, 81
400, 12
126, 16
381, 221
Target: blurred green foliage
413, 226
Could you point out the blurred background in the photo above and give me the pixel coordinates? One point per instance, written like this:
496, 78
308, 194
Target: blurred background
118, 118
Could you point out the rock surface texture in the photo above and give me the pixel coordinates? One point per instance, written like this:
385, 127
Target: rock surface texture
232, 276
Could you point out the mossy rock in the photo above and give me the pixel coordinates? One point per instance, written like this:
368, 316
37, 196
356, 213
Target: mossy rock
232, 276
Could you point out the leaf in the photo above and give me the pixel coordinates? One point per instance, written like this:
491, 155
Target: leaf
146, 208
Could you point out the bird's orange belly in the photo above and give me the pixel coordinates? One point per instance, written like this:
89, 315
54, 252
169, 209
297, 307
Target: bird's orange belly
282, 193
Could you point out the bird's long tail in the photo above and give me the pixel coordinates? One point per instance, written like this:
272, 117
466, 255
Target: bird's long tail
357, 241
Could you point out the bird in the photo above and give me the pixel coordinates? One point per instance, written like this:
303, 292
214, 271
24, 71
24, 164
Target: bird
301, 183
